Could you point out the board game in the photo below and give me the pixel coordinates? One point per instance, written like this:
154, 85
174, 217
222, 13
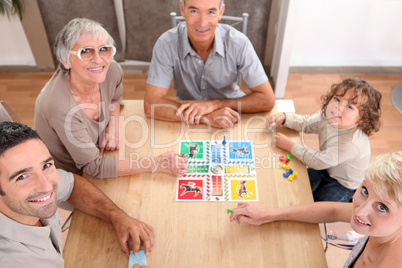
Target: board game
218, 171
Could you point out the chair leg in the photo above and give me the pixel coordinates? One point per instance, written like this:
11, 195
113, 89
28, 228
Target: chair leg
326, 238
64, 224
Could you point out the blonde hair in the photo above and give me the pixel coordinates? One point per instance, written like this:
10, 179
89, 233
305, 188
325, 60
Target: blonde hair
385, 174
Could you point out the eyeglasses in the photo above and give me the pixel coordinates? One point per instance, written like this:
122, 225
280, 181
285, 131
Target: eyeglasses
87, 53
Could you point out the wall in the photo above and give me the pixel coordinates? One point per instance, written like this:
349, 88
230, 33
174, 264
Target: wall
14, 47
348, 33
328, 33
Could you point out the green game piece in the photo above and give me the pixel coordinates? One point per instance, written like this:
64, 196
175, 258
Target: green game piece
230, 211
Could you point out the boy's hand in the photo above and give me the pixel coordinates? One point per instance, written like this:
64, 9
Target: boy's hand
284, 142
278, 119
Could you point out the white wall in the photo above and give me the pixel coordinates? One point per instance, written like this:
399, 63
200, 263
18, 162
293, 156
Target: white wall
14, 47
328, 33
348, 33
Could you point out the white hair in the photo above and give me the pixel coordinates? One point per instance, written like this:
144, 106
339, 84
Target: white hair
72, 32
220, 5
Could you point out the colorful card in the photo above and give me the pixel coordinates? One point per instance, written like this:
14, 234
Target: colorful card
139, 258
218, 171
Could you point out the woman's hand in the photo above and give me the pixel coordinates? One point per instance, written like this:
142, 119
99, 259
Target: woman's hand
251, 214
109, 140
170, 163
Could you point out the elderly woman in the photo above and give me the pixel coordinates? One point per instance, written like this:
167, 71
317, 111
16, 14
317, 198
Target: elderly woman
376, 212
77, 111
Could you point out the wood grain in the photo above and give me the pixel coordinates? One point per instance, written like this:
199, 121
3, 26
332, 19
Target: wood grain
199, 234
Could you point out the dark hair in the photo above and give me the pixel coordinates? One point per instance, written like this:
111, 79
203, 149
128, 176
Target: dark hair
369, 108
12, 134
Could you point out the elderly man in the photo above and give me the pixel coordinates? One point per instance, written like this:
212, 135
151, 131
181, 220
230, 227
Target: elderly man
205, 59
30, 187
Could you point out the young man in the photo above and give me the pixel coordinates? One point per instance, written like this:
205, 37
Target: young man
31, 187
205, 60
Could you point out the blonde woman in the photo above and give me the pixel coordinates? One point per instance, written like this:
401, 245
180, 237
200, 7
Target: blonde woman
376, 213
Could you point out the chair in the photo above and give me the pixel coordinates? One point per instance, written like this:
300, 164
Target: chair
7, 114
236, 20
339, 235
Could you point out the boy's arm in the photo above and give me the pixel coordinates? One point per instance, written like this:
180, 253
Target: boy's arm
305, 123
89, 199
317, 212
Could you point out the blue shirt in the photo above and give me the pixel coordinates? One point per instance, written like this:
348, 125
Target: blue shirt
232, 55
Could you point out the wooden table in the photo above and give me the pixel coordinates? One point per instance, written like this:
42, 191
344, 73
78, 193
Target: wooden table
198, 234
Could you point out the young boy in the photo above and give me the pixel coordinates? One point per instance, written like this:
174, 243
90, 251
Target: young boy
350, 113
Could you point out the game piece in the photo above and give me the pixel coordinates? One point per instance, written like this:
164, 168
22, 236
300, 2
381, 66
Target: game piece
272, 126
288, 173
288, 157
218, 172
229, 211
139, 258
283, 165
273, 136
182, 155
224, 140
283, 159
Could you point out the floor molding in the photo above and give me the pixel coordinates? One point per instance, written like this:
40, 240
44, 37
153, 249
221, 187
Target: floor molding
346, 69
127, 68
23, 69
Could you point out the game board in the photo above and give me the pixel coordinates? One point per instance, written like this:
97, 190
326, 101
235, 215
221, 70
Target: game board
218, 171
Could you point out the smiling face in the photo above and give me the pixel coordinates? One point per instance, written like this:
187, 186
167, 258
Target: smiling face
375, 216
202, 19
92, 71
342, 111
28, 180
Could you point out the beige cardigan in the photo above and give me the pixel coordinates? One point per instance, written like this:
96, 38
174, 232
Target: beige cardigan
344, 153
69, 133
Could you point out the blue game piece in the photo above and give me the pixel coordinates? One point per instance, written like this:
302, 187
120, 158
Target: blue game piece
287, 174
224, 140
139, 258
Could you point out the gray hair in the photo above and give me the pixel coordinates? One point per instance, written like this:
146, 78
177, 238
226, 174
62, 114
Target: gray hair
72, 32
220, 5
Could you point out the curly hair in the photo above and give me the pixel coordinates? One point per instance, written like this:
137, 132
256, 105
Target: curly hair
369, 108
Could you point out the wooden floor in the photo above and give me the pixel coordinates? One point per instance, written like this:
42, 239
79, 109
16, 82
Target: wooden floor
19, 91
